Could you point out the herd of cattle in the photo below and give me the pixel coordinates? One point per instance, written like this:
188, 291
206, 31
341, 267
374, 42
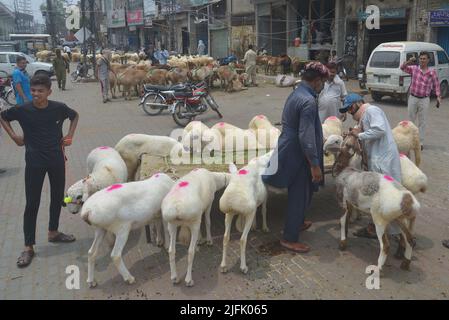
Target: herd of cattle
131, 70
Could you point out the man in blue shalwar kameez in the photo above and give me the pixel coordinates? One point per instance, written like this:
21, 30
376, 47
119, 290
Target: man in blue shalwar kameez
300, 154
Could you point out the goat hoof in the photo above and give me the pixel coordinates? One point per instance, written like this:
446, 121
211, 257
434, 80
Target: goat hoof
210, 243
405, 265
224, 269
266, 230
160, 243
190, 283
244, 270
175, 280
92, 284
130, 280
342, 245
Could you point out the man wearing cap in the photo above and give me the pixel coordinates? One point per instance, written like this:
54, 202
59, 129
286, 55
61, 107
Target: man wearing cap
375, 133
299, 154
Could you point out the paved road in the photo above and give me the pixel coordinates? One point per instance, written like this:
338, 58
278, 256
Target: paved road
324, 273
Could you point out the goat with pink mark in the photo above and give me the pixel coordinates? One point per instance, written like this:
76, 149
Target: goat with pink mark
119, 209
105, 167
245, 193
184, 206
376, 194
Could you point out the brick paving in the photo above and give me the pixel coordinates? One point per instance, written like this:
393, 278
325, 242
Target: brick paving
324, 273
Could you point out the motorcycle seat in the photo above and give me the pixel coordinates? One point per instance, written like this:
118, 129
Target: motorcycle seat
177, 87
184, 94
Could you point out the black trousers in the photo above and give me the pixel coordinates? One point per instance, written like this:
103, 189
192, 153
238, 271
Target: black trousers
34, 180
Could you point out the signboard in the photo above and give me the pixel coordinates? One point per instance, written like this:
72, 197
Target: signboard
116, 13
149, 8
384, 14
148, 22
439, 18
135, 13
80, 35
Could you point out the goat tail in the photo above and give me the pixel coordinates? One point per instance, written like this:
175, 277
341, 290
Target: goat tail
240, 223
85, 216
184, 236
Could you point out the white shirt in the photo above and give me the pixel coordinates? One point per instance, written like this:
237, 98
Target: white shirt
67, 49
335, 89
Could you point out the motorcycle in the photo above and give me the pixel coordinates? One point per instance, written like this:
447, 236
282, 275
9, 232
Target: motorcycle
362, 77
156, 99
6, 94
191, 104
341, 70
82, 72
184, 101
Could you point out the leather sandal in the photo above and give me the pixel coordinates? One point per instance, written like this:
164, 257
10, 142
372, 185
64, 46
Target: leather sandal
307, 224
25, 258
295, 246
62, 238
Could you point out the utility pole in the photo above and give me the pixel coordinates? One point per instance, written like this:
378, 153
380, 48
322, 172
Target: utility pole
171, 15
94, 32
83, 14
51, 21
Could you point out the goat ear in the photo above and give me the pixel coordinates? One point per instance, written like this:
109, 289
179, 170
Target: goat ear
232, 168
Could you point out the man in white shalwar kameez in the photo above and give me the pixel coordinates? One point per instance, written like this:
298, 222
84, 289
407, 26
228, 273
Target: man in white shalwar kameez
378, 142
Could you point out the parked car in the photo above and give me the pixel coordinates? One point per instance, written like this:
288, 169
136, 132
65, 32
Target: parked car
8, 64
384, 76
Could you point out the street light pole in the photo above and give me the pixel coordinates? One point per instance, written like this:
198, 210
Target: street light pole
94, 33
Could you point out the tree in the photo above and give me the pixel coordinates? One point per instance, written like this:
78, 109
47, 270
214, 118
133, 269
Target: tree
59, 15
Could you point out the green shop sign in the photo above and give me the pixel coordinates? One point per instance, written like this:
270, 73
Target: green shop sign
384, 14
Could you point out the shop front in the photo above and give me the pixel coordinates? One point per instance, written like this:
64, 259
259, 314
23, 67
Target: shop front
439, 22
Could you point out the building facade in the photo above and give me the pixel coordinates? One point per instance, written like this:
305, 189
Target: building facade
7, 22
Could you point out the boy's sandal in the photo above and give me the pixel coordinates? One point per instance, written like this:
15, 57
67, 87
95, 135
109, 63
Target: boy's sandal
25, 258
62, 238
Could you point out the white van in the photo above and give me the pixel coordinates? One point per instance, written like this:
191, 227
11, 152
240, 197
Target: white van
384, 76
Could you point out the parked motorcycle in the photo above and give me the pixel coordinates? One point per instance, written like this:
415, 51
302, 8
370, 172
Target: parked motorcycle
6, 90
341, 70
362, 77
82, 72
184, 101
191, 104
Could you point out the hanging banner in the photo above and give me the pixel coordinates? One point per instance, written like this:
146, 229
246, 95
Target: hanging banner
116, 13
149, 8
135, 13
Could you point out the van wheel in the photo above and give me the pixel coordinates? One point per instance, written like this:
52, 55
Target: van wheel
376, 96
444, 89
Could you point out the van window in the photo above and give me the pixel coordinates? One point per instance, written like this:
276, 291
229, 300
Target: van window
13, 58
385, 59
3, 58
442, 57
412, 54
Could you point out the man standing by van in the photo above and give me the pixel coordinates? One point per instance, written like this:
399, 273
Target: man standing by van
423, 80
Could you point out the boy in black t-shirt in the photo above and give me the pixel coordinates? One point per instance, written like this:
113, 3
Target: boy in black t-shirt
41, 121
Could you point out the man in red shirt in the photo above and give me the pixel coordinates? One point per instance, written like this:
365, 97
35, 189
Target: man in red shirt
423, 80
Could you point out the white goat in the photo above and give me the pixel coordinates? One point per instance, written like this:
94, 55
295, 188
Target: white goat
244, 194
119, 209
412, 177
379, 195
332, 125
197, 135
184, 206
236, 139
267, 134
105, 167
406, 135
133, 146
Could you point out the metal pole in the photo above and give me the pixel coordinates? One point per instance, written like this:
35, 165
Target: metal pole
51, 22
83, 13
94, 33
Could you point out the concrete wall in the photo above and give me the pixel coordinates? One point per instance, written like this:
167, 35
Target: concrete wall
242, 7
